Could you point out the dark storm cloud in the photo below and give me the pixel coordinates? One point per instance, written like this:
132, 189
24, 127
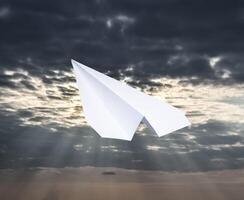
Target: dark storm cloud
139, 39
174, 38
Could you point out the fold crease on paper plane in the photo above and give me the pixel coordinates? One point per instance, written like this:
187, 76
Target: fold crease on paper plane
115, 110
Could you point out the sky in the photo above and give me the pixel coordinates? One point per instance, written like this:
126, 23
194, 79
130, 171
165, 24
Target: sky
188, 53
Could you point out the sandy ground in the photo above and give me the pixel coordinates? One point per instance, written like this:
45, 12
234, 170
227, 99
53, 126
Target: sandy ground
112, 183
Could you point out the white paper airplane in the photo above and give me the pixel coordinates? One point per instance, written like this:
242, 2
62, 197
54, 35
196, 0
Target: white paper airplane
115, 110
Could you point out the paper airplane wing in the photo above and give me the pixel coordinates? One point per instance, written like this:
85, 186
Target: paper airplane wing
115, 110
107, 113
